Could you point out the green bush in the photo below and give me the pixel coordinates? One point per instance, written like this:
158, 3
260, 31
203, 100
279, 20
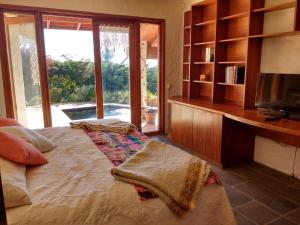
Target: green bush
85, 93
120, 97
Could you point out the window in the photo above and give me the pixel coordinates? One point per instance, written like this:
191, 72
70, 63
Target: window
65, 68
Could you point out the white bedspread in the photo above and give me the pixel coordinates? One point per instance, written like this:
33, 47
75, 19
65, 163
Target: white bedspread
76, 188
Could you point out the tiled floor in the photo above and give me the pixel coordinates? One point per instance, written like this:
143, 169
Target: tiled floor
260, 195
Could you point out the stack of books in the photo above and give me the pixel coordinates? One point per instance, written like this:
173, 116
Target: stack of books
209, 54
235, 74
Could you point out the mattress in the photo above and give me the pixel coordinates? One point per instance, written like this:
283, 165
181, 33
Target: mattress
76, 188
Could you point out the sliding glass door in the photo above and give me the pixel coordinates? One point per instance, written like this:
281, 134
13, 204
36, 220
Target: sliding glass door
70, 66
59, 68
149, 66
24, 68
115, 70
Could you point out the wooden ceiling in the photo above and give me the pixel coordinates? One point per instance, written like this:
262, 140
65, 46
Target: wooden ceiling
149, 32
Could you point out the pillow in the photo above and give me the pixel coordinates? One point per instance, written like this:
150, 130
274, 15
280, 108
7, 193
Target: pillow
9, 122
17, 150
37, 140
14, 184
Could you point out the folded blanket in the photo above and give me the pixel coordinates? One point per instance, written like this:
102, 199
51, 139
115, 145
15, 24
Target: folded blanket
174, 175
112, 125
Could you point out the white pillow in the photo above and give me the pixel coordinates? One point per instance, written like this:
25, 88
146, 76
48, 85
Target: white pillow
37, 140
14, 184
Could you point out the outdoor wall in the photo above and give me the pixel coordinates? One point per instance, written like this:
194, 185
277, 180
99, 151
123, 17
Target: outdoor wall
171, 10
279, 55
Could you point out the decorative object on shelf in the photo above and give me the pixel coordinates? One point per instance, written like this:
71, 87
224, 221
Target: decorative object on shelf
203, 77
235, 74
209, 54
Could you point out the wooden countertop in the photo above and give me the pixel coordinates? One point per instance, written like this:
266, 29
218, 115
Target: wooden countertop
252, 117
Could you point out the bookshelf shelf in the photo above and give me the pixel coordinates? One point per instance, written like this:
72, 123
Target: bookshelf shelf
282, 6
235, 16
282, 34
209, 22
186, 53
203, 63
202, 82
205, 3
232, 62
230, 84
233, 39
204, 43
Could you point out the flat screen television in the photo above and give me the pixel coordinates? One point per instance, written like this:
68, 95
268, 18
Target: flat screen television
278, 92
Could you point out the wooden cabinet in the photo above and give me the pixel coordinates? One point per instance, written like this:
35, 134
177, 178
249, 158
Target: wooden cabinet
182, 125
207, 134
210, 135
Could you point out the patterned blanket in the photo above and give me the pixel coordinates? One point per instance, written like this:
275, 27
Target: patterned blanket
119, 147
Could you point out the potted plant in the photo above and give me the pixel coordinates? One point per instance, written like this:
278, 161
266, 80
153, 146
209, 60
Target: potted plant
151, 110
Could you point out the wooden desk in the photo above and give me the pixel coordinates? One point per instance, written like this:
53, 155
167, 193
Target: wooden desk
228, 128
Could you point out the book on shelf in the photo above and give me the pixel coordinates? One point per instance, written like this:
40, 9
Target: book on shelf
235, 74
209, 54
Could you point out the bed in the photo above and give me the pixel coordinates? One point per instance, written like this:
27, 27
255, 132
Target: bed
76, 187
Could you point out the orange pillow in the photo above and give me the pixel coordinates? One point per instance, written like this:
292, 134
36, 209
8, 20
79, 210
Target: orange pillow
5, 122
17, 150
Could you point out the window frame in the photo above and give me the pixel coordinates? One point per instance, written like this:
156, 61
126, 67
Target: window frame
97, 18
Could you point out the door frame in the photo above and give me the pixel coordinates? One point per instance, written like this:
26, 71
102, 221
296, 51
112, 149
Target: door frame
38, 12
132, 65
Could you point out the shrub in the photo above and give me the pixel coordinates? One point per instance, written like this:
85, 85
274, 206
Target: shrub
85, 93
120, 97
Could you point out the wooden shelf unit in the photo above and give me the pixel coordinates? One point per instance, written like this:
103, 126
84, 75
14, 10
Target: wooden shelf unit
234, 28
186, 53
281, 6
202, 36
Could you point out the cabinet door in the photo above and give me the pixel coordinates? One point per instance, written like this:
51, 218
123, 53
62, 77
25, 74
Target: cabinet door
175, 122
207, 134
187, 127
182, 125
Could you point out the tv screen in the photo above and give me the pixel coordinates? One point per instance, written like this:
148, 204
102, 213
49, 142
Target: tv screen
278, 92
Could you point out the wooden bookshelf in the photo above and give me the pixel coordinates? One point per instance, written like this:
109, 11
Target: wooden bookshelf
233, 63
202, 36
204, 43
203, 63
205, 23
234, 28
235, 16
282, 34
282, 6
186, 53
229, 84
234, 39
202, 82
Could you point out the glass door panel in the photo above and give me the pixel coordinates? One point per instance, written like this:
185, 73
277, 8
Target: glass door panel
149, 52
24, 68
115, 70
70, 61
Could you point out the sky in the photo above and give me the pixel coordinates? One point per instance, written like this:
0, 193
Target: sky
78, 45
